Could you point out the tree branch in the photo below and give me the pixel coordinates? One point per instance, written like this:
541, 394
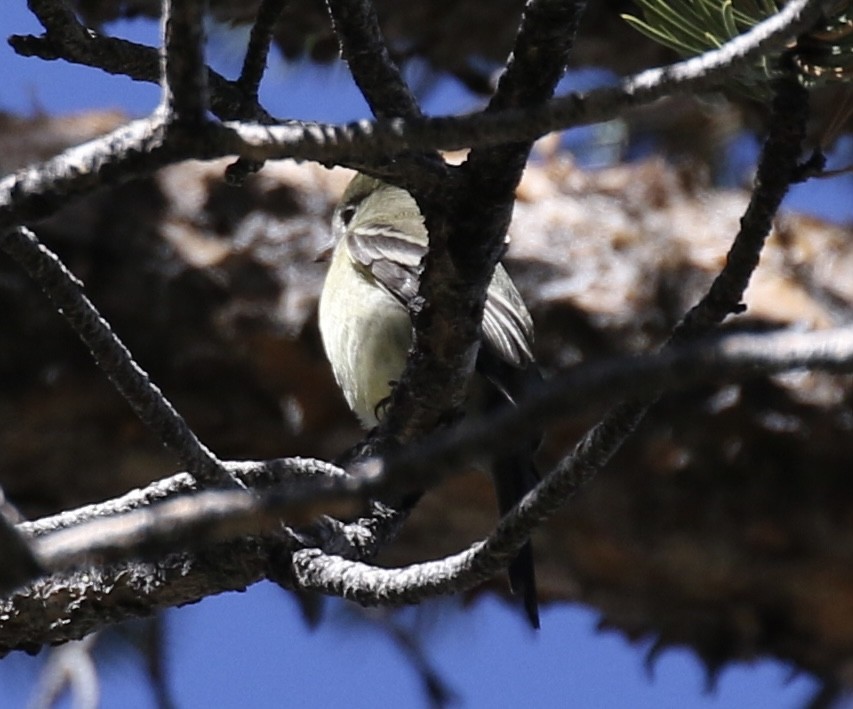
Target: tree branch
467, 221
729, 357
136, 149
777, 171
67, 39
66, 607
251, 73
197, 521
19, 564
112, 357
363, 47
258, 476
184, 72
255, 60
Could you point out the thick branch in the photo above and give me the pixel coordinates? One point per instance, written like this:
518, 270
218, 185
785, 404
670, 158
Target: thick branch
67, 607
184, 71
364, 49
132, 150
193, 521
18, 564
730, 357
467, 222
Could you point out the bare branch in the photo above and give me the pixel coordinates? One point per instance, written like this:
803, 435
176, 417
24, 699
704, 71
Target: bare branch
39, 190
184, 75
19, 564
71, 41
258, 476
55, 608
193, 521
728, 357
114, 359
60, 608
249, 81
255, 61
467, 221
155, 649
777, 171
150, 533
136, 149
363, 48
367, 139
70, 667
60, 24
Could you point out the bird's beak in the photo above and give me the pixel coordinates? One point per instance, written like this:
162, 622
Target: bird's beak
325, 254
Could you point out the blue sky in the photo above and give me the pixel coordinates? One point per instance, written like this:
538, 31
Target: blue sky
253, 648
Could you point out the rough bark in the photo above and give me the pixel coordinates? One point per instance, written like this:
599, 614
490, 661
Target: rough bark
725, 523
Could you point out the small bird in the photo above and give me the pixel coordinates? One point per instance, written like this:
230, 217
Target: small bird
380, 241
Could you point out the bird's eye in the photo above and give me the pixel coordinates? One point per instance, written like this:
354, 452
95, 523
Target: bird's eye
347, 213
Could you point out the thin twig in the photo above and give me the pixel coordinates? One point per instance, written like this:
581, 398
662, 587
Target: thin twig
257, 475
257, 51
67, 39
251, 73
155, 649
193, 521
69, 668
114, 359
777, 170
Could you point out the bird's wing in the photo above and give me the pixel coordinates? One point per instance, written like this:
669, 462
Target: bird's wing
394, 258
507, 325
390, 256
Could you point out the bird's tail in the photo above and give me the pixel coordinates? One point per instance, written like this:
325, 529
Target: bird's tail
515, 475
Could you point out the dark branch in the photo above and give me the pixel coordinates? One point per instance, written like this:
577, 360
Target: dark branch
18, 564
61, 608
467, 221
249, 81
113, 358
363, 48
184, 71
258, 476
778, 169
66, 607
71, 41
255, 61
730, 357
194, 521
136, 149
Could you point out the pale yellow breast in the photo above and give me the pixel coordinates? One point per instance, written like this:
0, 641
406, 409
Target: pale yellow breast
370, 331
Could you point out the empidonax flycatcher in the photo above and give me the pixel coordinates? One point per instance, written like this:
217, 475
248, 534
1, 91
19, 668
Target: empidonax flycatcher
380, 241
